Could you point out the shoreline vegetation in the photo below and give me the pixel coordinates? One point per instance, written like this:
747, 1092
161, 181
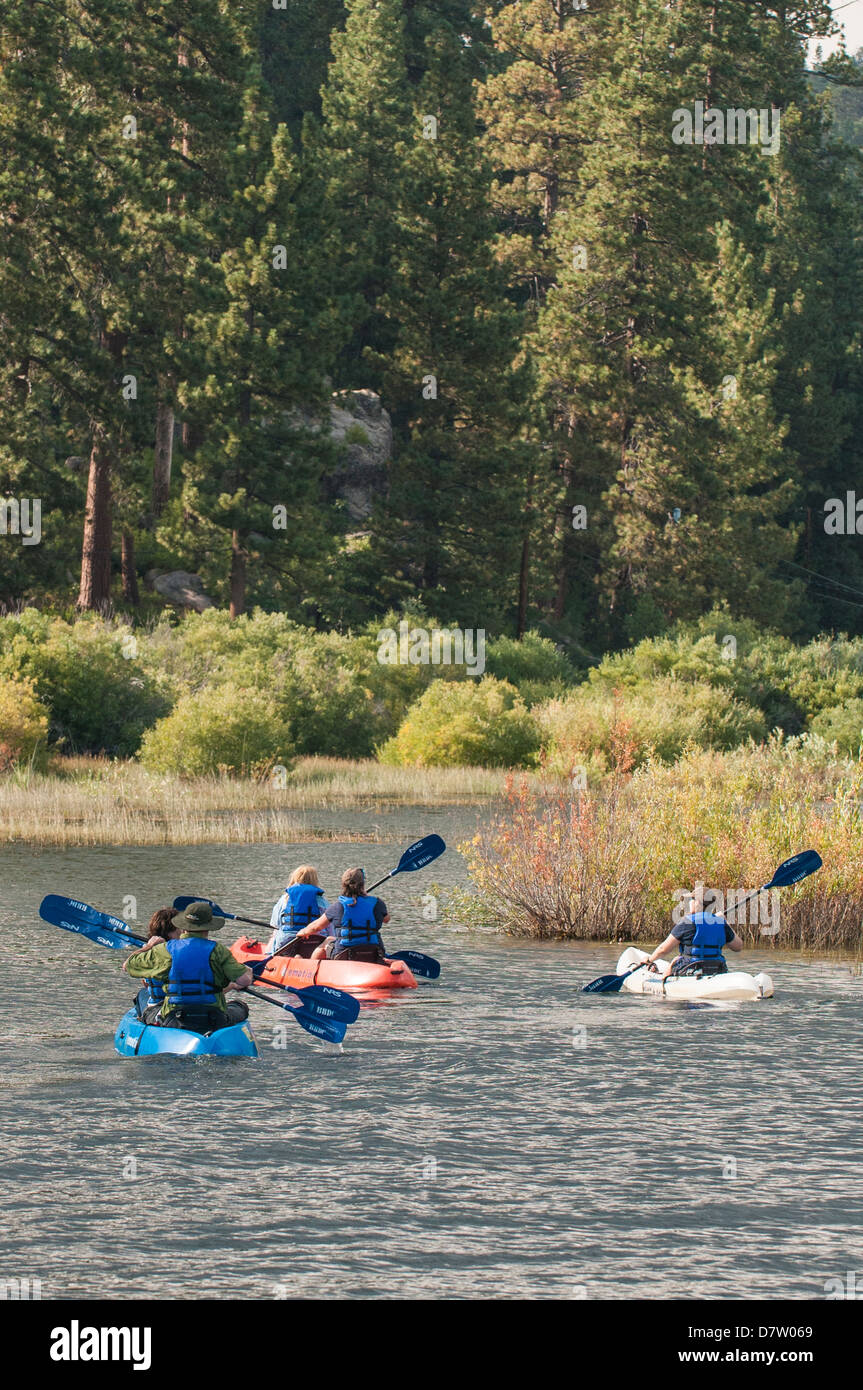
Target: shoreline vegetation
707, 754
607, 865
96, 801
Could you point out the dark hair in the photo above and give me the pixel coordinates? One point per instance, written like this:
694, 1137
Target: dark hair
353, 883
162, 921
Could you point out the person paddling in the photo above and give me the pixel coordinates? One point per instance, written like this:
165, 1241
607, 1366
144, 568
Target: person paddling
195, 974
699, 941
301, 903
355, 921
160, 928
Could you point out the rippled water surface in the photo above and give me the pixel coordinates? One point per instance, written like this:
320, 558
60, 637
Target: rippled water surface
471, 1140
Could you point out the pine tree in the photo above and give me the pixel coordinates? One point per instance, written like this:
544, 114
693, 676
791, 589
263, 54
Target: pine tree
629, 363
251, 489
534, 132
458, 482
358, 151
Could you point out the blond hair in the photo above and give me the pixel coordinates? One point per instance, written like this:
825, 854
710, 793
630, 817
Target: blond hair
306, 873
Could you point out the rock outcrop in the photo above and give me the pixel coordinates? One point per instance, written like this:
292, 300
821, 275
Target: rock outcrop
362, 429
181, 588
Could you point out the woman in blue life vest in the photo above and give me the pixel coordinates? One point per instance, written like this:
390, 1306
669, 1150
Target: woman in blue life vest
699, 941
355, 922
160, 928
301, 903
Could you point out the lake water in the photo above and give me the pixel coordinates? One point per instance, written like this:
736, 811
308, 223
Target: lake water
495, 1134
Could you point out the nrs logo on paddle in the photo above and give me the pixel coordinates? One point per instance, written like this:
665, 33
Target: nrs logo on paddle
77, 1343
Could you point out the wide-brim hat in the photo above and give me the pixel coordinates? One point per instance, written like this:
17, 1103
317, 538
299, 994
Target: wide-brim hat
198, 917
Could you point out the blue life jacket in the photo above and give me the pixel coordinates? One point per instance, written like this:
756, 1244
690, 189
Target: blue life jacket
358, 926
191, 982
709, 940
156, 990
302, 906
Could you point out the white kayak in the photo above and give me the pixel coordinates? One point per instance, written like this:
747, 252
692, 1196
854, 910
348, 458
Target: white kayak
736, 984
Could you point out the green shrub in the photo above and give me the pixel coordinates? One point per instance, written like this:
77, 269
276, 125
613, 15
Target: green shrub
100, 696
339, 699
534, 666
595, 726
226, 729
842, 725
789, 684
483, 724
23, 724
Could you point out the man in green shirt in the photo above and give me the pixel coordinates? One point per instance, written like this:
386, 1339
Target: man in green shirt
194, 973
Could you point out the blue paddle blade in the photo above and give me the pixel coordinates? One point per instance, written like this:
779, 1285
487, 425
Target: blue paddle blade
328, 1030
326, 1002
87, 921
420, 853
606, 984
182, 903
799, 866
425, 966
610, 984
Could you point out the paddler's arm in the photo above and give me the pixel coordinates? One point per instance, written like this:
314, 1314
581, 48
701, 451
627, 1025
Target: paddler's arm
228, 973
152, 964
735, 944
670, 944
315, 928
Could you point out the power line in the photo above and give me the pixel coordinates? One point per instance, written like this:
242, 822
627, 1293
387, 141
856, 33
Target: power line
825, 578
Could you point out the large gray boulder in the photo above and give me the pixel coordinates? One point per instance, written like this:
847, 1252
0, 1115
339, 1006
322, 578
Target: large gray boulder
181, 588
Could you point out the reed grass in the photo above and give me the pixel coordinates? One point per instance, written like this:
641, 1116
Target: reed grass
94, 801
605, 864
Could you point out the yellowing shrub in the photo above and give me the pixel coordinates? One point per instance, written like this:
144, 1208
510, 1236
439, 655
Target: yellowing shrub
482, 724
222, 729
23, 723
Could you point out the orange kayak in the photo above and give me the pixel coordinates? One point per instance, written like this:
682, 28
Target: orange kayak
294, 972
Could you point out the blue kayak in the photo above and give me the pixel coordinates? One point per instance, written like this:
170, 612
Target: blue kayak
136, 1039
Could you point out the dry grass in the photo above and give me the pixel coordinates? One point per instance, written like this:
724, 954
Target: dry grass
92, 801
605, 865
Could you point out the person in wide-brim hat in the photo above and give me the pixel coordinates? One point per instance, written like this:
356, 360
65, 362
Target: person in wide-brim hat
194, 974
198, 919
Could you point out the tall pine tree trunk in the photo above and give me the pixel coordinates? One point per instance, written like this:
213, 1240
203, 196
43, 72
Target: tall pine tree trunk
524, 567
238, 576
162, 457
95, 590
130, 578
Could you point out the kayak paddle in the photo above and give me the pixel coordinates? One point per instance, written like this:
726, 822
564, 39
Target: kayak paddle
331, 1029
416, 856
792, 870
321, 1002
610, 984
182, 903
87, 921
426, 966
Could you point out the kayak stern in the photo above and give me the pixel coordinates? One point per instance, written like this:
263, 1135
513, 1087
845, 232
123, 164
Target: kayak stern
136, 1039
